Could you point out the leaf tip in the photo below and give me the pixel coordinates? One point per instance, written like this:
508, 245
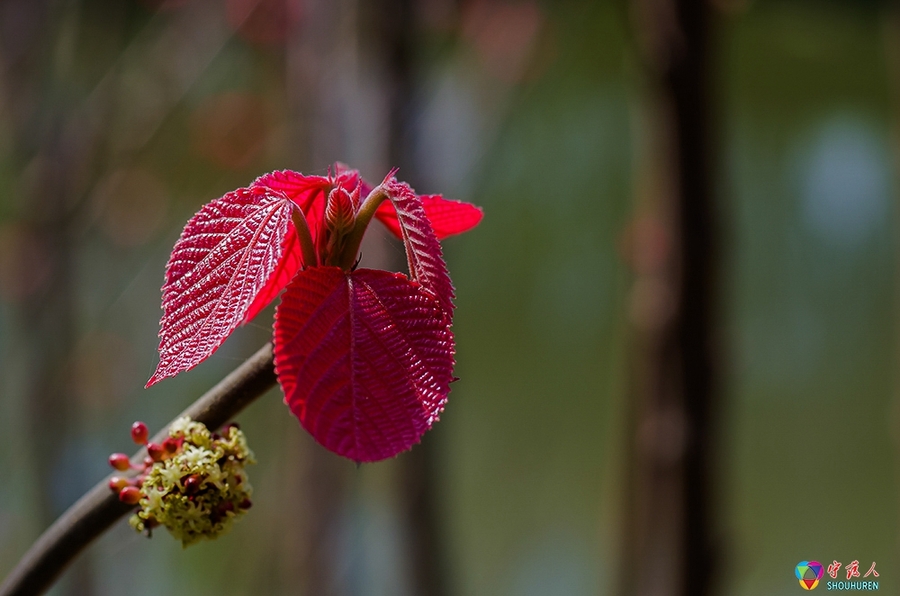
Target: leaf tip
163, 371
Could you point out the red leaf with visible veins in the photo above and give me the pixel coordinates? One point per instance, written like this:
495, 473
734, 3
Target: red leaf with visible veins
447, 217
226, 255
423, 251
365, 359
308, 193
290, 263
304, 192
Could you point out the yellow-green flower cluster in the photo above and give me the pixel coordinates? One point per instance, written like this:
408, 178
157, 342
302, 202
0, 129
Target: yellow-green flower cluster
200, 489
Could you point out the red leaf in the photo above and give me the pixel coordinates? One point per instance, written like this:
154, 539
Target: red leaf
350, 178
423, 251
226, 255
365, 359
287, 267
308, 193
447, 217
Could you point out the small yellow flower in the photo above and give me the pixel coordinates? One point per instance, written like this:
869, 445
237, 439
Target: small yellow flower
199, 491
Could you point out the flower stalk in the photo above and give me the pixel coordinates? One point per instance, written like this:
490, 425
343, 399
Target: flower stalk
305, 237
364, 216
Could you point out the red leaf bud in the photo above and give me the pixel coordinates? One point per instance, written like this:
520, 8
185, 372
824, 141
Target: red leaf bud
339, 212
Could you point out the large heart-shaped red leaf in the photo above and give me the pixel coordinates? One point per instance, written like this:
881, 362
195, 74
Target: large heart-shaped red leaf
226, 255
365, 359
447, 217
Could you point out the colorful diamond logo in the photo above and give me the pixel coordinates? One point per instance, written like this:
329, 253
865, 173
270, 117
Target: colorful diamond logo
809, 573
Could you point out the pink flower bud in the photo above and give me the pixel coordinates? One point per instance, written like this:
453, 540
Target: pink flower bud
192, 484
119, 461
156, 451
117, 483
170, 445
130, 495
139, 433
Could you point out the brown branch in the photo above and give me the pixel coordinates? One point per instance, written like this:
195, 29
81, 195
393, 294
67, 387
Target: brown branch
99, 508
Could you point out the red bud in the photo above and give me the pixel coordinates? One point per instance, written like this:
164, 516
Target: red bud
170, 445
156, 451
119, 461
139, 433
246, 504
130, 494
117, 483
339, 212
192, 484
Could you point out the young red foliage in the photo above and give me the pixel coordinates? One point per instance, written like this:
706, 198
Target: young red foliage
365, 358
303, 191
447, 217
423, 251
223, 260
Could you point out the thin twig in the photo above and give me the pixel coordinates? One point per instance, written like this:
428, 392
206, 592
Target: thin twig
99, 508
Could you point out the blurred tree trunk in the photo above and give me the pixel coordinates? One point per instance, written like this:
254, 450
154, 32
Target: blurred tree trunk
313, 61
64, 138
391, 34
892, 51
397, 28
47, 319
54, 154
364, 48
668, 535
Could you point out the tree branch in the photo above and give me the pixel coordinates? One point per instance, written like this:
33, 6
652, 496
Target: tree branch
100, 508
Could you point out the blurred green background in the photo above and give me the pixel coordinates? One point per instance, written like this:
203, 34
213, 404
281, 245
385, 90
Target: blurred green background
119, 119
